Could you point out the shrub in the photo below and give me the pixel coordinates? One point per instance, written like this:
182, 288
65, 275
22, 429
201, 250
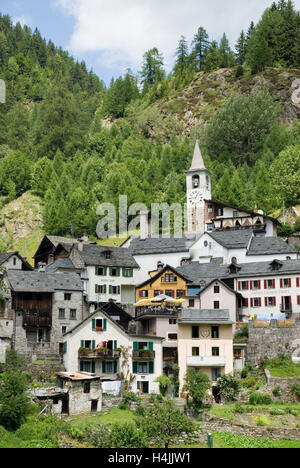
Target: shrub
229, 387
123, 406
140, 411
240, 409
296, 390
196, 386
259, 399
129, 398
262, 421
97, 436
127, 436
276, 412
3, 432
276, 391
239, 71
164, 383
248, 382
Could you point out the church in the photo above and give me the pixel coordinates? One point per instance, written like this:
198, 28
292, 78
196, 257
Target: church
215, 230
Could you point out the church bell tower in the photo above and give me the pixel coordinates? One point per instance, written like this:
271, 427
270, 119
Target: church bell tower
198, 188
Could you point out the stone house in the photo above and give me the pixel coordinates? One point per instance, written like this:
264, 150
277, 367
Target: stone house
44, 307
205, 342
94, 346
77, 393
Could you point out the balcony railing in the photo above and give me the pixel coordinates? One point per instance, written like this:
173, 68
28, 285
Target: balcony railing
208, 361
143, 355
37, 321
98, 354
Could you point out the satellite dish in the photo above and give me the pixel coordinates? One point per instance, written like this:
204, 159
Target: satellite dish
260, 212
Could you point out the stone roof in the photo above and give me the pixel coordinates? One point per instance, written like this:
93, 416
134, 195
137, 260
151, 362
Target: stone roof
197, 163
5, 256
64, 263
207, 272
233, 239
94, 255
269, 246
206, 316
36, 281
161, 245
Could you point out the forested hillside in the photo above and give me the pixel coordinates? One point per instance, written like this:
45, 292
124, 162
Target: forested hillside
74, 143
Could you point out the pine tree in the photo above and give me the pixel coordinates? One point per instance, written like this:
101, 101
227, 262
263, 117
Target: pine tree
182, 56
225, 53
200, 46
241, 47
152, 68
212, 58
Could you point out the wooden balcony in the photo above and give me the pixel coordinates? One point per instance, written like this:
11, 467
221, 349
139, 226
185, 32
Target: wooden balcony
143, 355
37, 321
109, 354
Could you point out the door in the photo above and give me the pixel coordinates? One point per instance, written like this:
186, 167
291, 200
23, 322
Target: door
94, 406
65, 406
145, 387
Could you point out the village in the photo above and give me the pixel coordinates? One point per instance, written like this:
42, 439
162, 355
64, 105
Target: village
105, 319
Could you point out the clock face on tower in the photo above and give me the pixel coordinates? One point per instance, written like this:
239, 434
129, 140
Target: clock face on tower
195, 197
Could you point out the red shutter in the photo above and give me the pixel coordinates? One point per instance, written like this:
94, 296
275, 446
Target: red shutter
251, 302
298, 282
273, 284
290, 283
173, 293
266, 301
259, 284
298, 298
161, 292
266, 284
259, 302
281, 283
282, 302
251, 285
239, 286
141, 293
247, 284
184, 293
246, 302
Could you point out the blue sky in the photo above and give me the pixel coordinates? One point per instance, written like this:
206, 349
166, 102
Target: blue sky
112, 36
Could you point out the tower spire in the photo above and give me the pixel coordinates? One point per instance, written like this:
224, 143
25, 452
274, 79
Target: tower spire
197, 163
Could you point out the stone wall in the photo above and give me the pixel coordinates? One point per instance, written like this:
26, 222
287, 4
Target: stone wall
285, 384
272, 341
224, 425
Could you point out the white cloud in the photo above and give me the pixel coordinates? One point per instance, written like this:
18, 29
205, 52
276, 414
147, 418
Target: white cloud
122, 30
23, 20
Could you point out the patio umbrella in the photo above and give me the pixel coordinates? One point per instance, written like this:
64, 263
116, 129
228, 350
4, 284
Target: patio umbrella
143, 303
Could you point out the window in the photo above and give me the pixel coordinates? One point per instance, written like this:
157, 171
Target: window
210, 227
256, 285
221, 212
127, 272
205, 243
86, 366
115, 290
100, 289
101, 271
195, 332
270, 301
156, 293
215, 333
144, 293
172, 336
195, 351
99, 323
216, 305
286, 282
169, 293
142, 368
63, 330
210, 208
191, 302
215, 351
87, 387
217, 289
107, 254
215, 374
236, 214
114, 272
169, 278
270, 284
244, 285
180, 293
172, 322
14, 261
68, 296
73, 314
256, 302
61, 313
109, 368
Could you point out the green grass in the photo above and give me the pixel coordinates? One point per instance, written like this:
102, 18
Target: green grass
284, 369
113, 416
225, 412
226, 440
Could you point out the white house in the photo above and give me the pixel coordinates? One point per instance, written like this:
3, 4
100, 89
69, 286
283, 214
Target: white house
97, 346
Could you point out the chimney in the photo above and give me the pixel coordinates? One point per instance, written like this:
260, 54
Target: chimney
160, 266
144, 225
255, 208
42, 267
84, 238
80, 246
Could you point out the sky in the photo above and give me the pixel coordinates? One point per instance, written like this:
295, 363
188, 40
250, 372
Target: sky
112, 36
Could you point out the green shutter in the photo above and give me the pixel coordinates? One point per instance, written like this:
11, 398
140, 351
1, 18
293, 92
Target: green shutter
150, 345
115, 367
81, 366
96, 288
119, 272
135, 346
93, 344
104, 289
151, 367
65, 347
115, 344
119, 289
134, 367
110, 289
93, 367
96, 271
104, 324
94, 324
82, 344
104, 367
